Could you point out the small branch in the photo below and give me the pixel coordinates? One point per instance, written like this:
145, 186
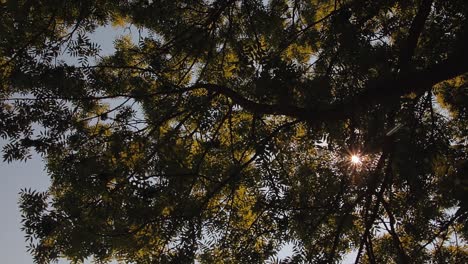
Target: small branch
459, 214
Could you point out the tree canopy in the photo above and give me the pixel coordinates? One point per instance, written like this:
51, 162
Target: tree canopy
223, 130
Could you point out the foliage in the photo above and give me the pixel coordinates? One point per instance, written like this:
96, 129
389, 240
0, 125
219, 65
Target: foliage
200, 141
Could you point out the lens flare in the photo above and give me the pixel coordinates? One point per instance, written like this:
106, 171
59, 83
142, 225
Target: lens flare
356, 160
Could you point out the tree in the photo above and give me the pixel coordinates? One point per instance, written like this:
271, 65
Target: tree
201, 140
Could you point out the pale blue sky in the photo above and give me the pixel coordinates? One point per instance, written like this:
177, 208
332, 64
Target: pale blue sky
14, 177
31, 174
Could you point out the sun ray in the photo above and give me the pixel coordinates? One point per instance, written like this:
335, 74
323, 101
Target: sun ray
356, 159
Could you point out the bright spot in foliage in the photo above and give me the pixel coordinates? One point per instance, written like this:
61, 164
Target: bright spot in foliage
356, 160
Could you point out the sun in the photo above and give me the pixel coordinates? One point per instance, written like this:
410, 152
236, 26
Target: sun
355, 159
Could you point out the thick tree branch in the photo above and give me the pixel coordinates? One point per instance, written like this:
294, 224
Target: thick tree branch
389, 89
417, 26
377, 91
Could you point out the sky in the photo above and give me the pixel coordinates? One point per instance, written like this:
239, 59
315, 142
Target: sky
14, 177
31, 174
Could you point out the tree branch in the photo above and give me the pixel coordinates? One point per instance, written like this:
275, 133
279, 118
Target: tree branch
377, 91
407, 51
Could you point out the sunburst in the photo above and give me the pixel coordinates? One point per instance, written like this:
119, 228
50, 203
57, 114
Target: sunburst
356, 159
